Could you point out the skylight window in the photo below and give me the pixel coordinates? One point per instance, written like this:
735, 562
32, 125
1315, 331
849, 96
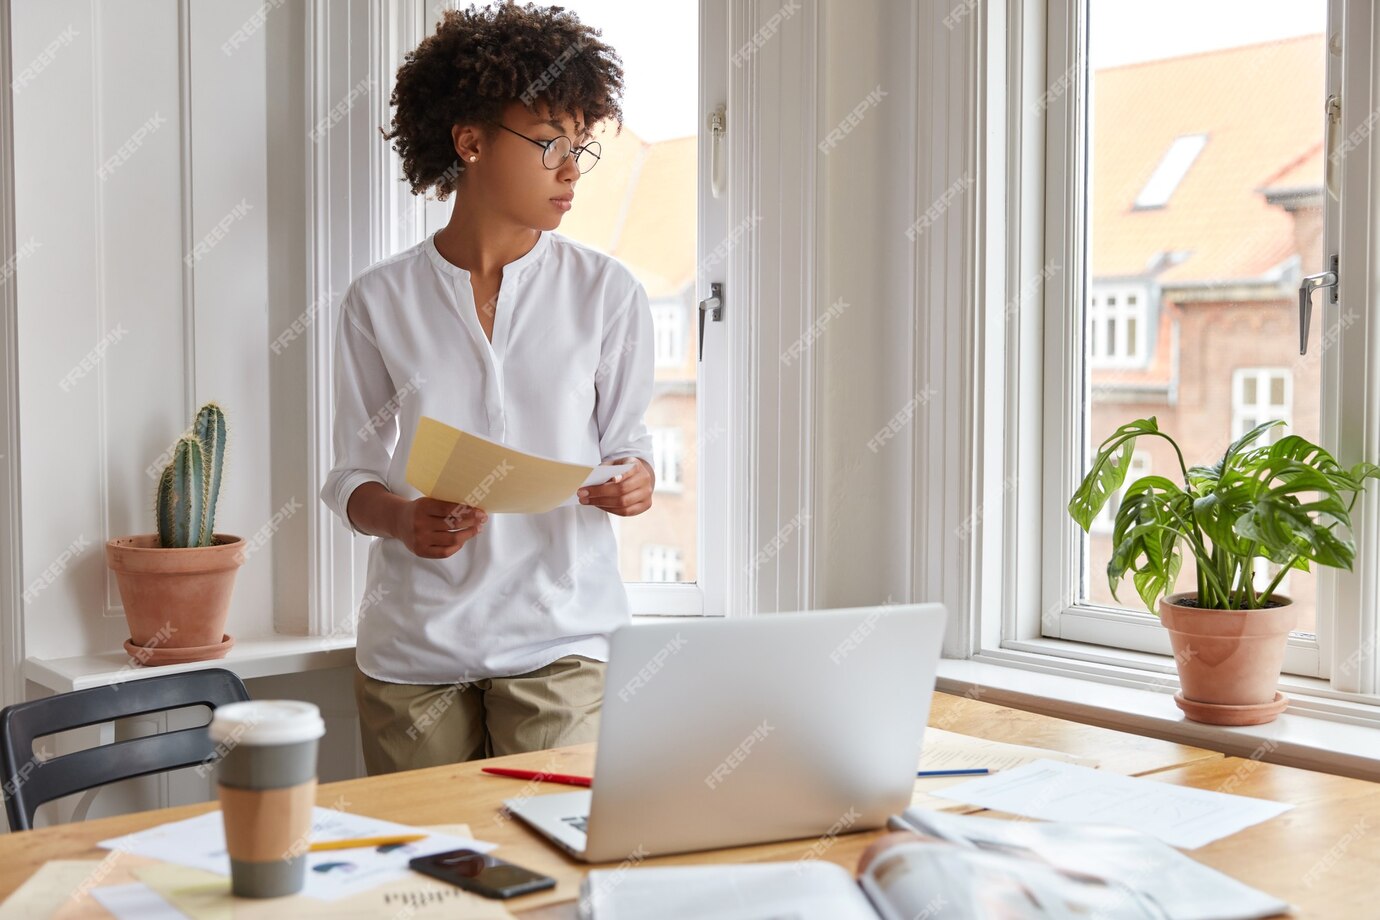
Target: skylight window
1171, 170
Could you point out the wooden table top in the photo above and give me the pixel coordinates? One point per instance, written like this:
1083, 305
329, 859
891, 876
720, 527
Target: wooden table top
461, 793
1322, 855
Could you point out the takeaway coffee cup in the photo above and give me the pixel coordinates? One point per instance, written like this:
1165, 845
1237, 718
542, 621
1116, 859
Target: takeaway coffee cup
266, 777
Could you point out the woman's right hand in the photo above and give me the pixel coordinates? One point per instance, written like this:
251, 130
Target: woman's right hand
433, 529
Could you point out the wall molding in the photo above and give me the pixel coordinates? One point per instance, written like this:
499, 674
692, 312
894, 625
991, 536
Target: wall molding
947, 273
341, 242
773, 186
11, 529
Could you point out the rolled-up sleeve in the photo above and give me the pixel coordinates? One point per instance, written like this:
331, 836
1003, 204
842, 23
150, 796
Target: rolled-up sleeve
363, 433
624, 381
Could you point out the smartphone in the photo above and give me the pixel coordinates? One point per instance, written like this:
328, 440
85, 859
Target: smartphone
482, 874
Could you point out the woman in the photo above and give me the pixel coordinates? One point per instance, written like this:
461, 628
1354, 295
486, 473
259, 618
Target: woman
487, 635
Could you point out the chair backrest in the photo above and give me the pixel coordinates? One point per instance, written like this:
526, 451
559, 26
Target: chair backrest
27, 780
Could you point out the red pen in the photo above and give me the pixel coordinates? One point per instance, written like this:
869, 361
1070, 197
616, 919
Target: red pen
540, 776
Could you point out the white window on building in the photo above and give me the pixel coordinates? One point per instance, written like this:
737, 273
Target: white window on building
1140, 466
1171, 170
1258, 395
668, 331
667, 445
660, 563
1117, 320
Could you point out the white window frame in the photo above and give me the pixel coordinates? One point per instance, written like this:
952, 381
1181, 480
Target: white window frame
1245, 416
668, 462
668, 323
1026, 141
1107, 325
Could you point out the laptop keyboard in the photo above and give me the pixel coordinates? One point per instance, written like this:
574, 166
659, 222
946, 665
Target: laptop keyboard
579, 822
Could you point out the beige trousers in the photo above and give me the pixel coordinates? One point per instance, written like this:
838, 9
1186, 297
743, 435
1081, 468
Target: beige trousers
410, 726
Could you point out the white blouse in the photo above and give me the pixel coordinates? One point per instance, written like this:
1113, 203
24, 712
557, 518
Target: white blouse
568, 376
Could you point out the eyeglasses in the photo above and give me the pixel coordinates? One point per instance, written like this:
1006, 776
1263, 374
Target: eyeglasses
556, 150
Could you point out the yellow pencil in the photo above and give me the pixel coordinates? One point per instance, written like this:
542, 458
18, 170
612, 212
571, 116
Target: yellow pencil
364, 842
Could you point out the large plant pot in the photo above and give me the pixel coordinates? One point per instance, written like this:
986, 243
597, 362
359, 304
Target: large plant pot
176, 599
1229, 660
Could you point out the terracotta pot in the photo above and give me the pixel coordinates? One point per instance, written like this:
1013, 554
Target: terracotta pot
1229, 660
179, 597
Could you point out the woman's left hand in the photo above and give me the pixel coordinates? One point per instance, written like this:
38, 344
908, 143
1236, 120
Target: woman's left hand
627, 494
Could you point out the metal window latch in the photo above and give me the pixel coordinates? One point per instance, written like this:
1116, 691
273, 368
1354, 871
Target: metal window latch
718, 125
1311, 283
714, 303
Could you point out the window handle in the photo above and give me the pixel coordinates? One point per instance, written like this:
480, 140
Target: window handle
718, 124
1333, 118
715, 303
1311, 283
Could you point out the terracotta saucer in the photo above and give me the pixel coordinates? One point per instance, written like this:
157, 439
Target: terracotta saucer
1224, 714
150, 657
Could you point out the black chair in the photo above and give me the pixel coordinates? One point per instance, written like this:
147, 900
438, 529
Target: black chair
27, 781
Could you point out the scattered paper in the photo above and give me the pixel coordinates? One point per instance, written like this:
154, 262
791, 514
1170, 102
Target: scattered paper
61, 889
206, 896
809, 889
1128, 859
945, 750
455, 466
199, 843
1178, 815
136, 901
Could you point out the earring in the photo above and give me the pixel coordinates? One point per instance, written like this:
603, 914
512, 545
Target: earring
472, 159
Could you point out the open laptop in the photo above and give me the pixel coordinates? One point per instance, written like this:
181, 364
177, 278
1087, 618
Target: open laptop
717, 733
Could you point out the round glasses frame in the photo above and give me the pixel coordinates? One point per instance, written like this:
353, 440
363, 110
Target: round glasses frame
555, 151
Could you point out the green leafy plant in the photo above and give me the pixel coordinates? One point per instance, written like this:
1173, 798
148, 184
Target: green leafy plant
1288, 502
185, 505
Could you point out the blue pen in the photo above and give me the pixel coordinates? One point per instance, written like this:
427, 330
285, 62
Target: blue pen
975, 772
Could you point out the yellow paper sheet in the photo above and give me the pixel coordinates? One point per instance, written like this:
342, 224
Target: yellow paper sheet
945, 750
455, 466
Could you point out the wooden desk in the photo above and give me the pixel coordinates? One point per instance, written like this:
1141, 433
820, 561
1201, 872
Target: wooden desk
1322, 855
461, 793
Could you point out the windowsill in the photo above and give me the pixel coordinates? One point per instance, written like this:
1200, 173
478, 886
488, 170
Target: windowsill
264, 656
1307, 735
258, 657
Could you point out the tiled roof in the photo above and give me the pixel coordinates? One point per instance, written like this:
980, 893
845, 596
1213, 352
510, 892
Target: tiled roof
638, 205
1303, 177
1261, 108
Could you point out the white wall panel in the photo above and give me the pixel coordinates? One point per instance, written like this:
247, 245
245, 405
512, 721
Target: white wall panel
159, 174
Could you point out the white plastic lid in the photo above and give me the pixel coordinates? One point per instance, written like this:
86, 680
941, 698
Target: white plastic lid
267, 722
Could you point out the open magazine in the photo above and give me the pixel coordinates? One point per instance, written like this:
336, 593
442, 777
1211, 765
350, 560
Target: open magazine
959, 867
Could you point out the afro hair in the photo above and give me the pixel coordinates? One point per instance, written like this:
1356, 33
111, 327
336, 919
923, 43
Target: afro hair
480, 60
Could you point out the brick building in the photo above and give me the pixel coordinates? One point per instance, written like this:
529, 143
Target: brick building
639, 206
1205, 209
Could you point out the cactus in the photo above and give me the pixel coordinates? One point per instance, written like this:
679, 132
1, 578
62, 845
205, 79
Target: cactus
210, 430
185, 505
182, 495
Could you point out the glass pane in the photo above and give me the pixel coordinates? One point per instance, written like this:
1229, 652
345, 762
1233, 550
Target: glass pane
639, 206
1205, 195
